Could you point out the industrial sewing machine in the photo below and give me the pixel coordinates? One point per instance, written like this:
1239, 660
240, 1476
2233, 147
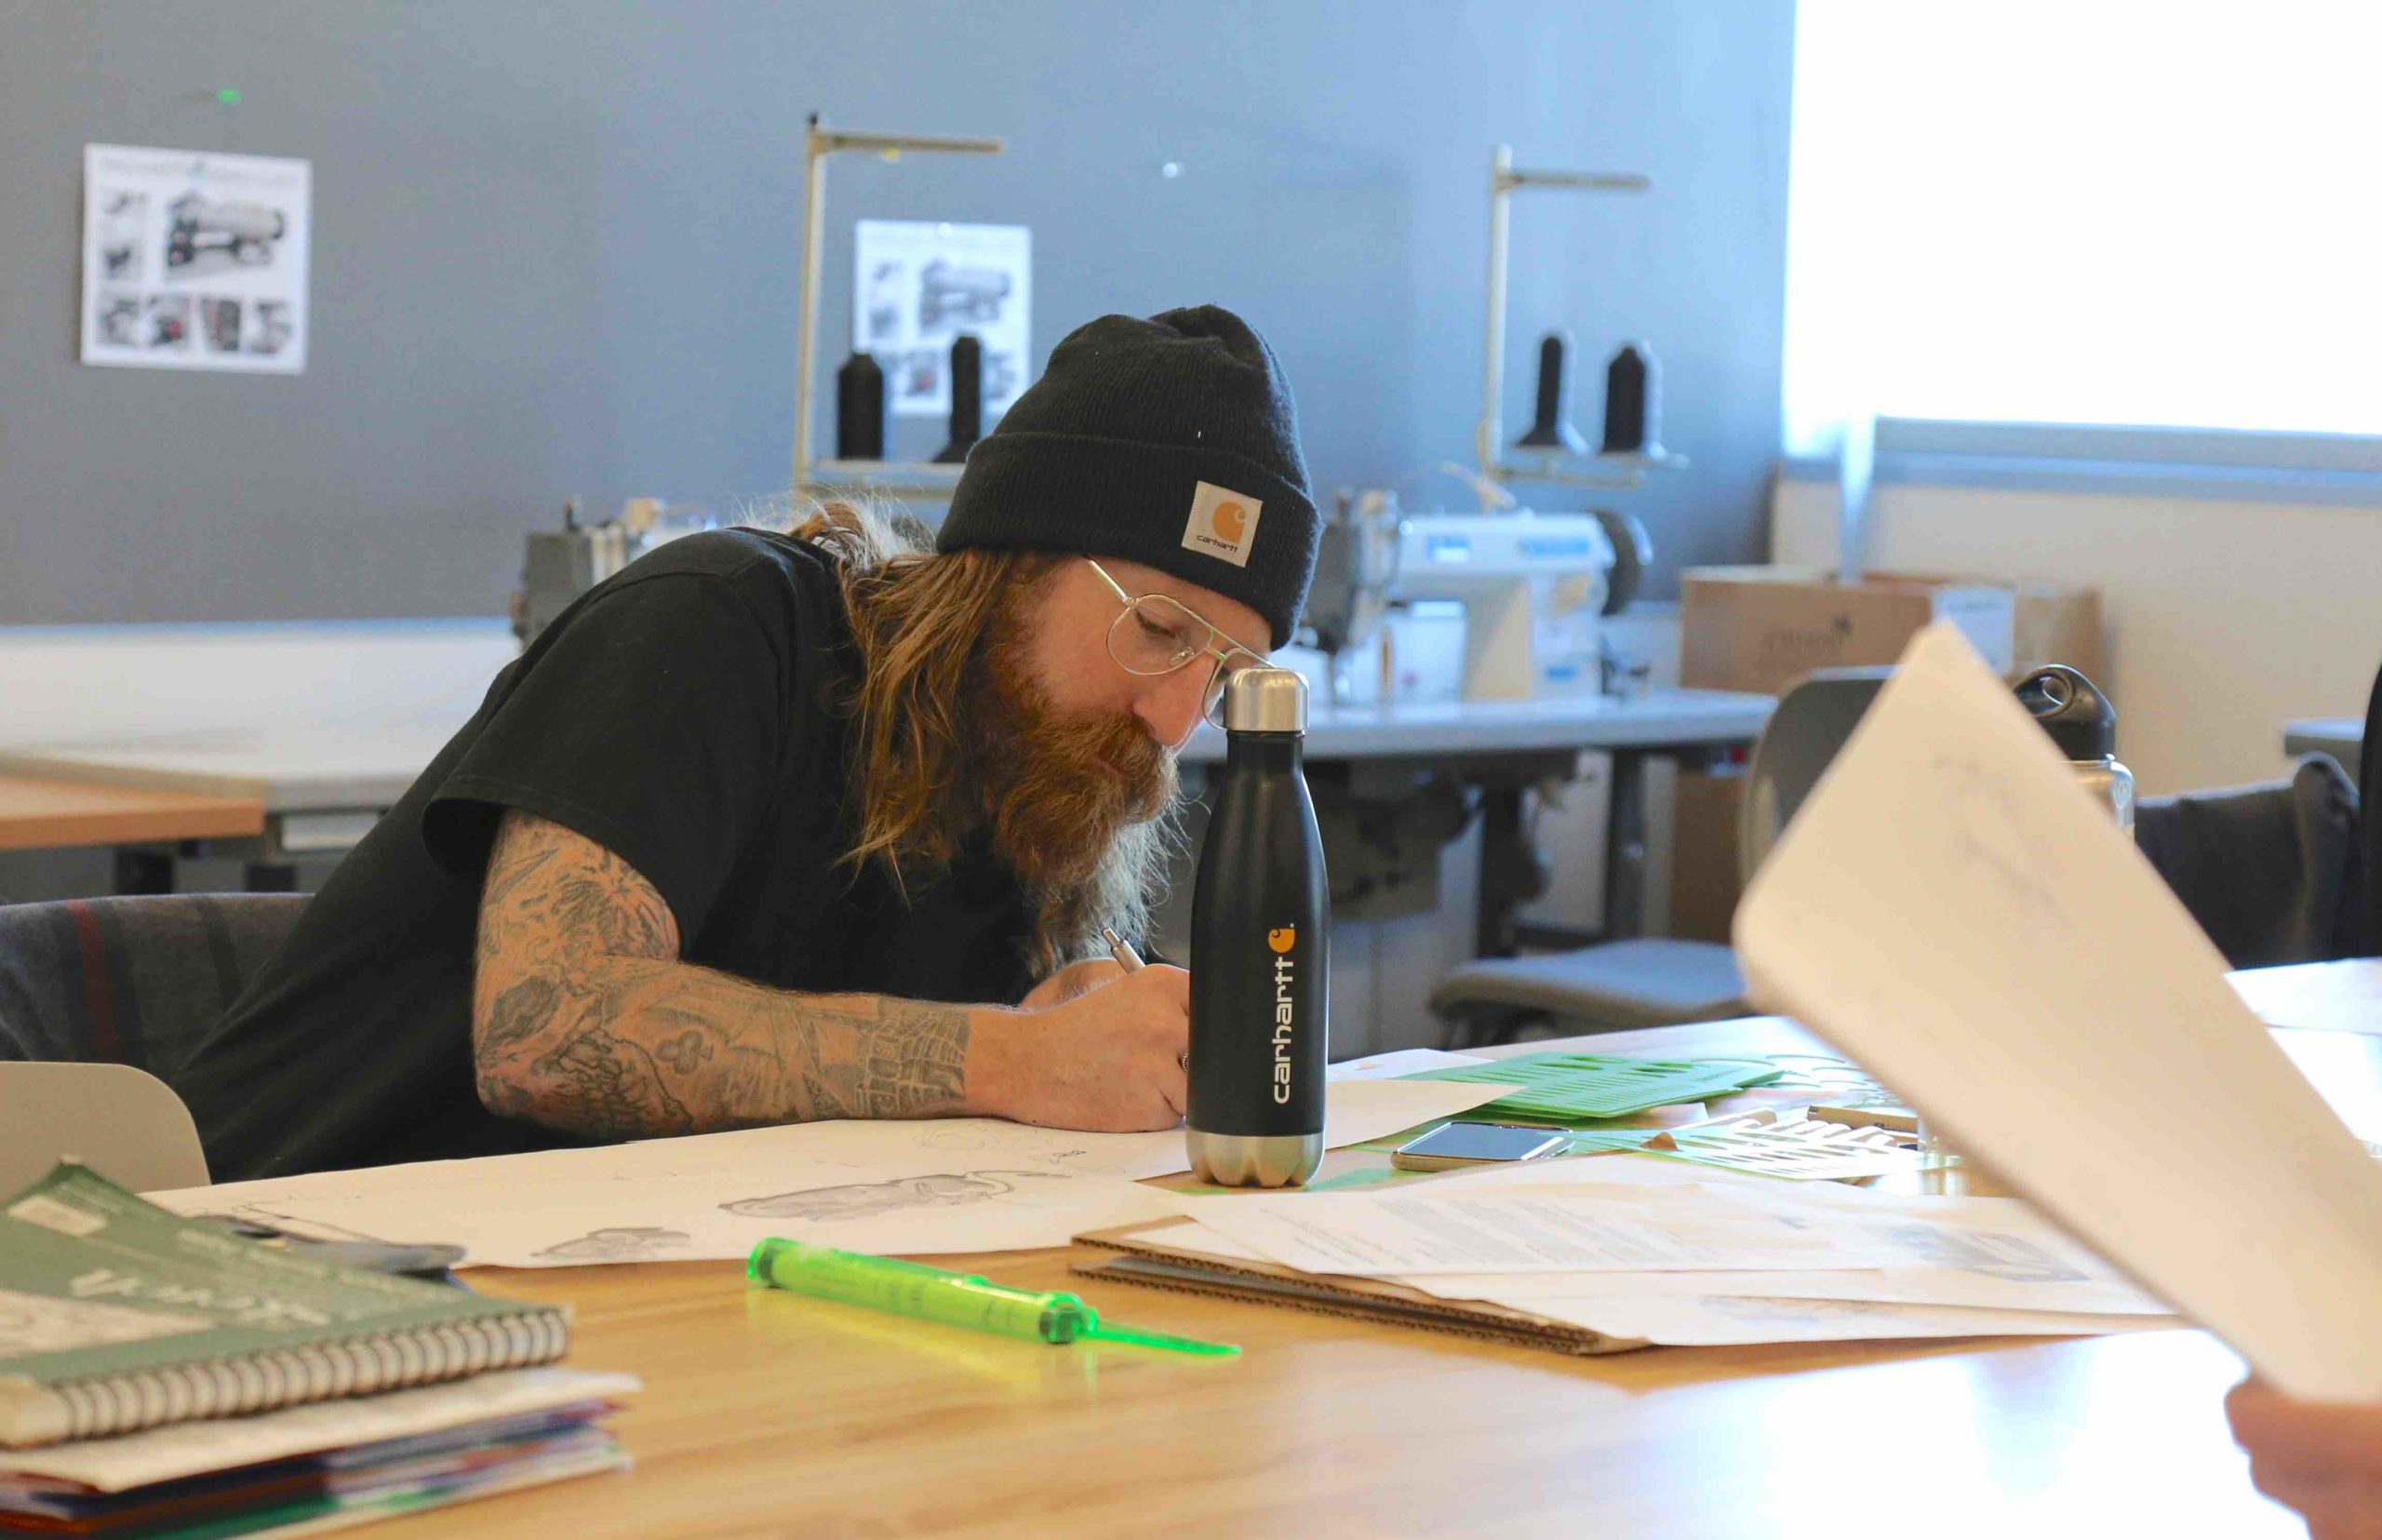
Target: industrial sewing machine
559, 564
1535, 589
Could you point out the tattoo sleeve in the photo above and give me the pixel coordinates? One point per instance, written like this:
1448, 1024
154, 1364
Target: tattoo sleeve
583, 1018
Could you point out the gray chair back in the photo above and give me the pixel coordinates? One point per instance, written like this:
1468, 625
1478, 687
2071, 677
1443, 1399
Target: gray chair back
2273, 872
1801, 741
124, 1123
134, 981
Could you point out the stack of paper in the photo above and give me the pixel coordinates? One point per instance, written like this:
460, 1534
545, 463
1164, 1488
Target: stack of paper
1637, 1250
321, 1466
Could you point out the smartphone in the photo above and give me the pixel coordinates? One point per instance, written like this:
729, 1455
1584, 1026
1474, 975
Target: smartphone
1475, 1144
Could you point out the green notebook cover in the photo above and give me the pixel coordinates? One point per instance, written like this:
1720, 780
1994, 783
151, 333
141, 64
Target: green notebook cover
116, 1315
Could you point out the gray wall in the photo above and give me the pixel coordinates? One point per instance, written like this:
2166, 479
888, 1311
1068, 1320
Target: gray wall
554, 251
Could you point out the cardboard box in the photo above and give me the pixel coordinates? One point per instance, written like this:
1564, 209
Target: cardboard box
1760, 628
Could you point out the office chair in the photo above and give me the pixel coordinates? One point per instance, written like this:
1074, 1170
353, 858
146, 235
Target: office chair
2274, 872
1659, 981
99, 984
124, 1123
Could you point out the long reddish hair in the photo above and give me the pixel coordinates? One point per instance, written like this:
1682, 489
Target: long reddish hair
926, 627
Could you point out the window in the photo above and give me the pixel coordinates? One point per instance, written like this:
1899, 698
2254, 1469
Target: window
2086, 211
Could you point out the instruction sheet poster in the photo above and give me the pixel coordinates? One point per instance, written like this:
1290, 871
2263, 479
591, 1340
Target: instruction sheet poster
194, 260
919, 285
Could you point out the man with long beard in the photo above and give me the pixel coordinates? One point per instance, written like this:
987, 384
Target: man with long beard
771, 828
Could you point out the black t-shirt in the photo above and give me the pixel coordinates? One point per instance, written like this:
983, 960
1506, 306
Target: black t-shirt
682, 716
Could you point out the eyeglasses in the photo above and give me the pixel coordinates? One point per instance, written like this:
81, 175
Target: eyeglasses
1156, 635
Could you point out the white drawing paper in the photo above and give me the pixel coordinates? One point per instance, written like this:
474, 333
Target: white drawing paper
1734, 1320
1711, 1309
919, 284
1982, 1253
1952, 912
1579, 1227
893, 1186
721, 1217
194, 260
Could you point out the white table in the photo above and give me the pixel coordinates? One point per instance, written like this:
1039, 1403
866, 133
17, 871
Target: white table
1658, 719
1505, 747
323, 785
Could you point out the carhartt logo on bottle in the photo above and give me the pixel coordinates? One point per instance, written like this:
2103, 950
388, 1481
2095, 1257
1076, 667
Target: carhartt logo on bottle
1223, 523
1285, 1012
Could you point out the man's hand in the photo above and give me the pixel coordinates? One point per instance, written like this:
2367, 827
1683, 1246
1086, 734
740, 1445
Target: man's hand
2323, 1459
1071, 981
1110, 1059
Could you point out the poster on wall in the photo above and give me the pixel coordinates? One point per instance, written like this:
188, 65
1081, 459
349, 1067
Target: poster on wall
194, 260
919, 284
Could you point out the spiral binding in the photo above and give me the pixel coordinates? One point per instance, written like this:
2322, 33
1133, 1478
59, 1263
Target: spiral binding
106, 1404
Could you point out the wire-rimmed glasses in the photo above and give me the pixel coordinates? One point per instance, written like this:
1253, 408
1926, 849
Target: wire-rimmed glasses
1156, 635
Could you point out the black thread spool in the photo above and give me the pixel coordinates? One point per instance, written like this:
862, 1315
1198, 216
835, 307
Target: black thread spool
1633, 407
967, 398
1551, 427
859, 409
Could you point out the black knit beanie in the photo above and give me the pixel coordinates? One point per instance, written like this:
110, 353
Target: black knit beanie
1172, 442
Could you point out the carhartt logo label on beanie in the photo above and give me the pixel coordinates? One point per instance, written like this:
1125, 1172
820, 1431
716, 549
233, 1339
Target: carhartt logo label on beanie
1223, 523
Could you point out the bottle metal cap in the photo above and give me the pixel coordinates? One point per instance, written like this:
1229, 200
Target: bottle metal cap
2072, 710
1265, 700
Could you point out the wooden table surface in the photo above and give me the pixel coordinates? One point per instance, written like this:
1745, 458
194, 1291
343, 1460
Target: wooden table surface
39, 814
768, 1415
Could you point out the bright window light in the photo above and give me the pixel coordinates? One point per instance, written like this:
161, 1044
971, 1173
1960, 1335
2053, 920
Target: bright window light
2086, 211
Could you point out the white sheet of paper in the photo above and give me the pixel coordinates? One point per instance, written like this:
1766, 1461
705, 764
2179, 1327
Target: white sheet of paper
1691, 1307
1730, 1320
1952, 913
1984, 1252
1981, 1252
901, 1188
2333, 997
1572, 1228
1403, 1061
562, 1222
221, 1444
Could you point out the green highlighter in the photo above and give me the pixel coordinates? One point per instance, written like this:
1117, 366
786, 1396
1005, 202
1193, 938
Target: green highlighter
960, 1299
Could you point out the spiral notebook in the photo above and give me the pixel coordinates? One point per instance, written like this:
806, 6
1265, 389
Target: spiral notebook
115, 1314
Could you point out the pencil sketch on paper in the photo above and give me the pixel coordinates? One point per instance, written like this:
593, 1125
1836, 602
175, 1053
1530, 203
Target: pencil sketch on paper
1997, 843
617, 1243
868, 1199
1987, 1254
1032, 1143
1800, 1312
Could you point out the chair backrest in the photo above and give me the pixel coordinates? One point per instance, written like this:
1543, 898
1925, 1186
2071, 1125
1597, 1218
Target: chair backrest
136, 981
2273, 872
124, 1123
1801, 741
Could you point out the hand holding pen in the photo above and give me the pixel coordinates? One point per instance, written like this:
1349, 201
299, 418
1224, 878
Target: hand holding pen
1130, 961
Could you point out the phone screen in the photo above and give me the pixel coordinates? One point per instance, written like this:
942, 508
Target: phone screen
1484, 1142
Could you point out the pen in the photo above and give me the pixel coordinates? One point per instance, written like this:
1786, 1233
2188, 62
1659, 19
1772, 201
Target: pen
1122, 950
1130, 961
960, 1299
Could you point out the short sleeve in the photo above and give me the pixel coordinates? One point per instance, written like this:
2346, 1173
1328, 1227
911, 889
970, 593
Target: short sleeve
652, 720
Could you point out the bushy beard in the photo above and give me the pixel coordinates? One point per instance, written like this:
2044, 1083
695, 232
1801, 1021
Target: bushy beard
1080, 804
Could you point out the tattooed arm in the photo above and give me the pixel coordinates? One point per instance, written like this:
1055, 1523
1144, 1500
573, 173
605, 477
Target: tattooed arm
584, 1019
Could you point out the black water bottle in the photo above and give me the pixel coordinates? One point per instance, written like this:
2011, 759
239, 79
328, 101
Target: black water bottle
1261, 951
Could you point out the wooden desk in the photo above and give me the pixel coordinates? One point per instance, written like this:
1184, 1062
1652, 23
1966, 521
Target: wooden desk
42, 814
767, 1414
